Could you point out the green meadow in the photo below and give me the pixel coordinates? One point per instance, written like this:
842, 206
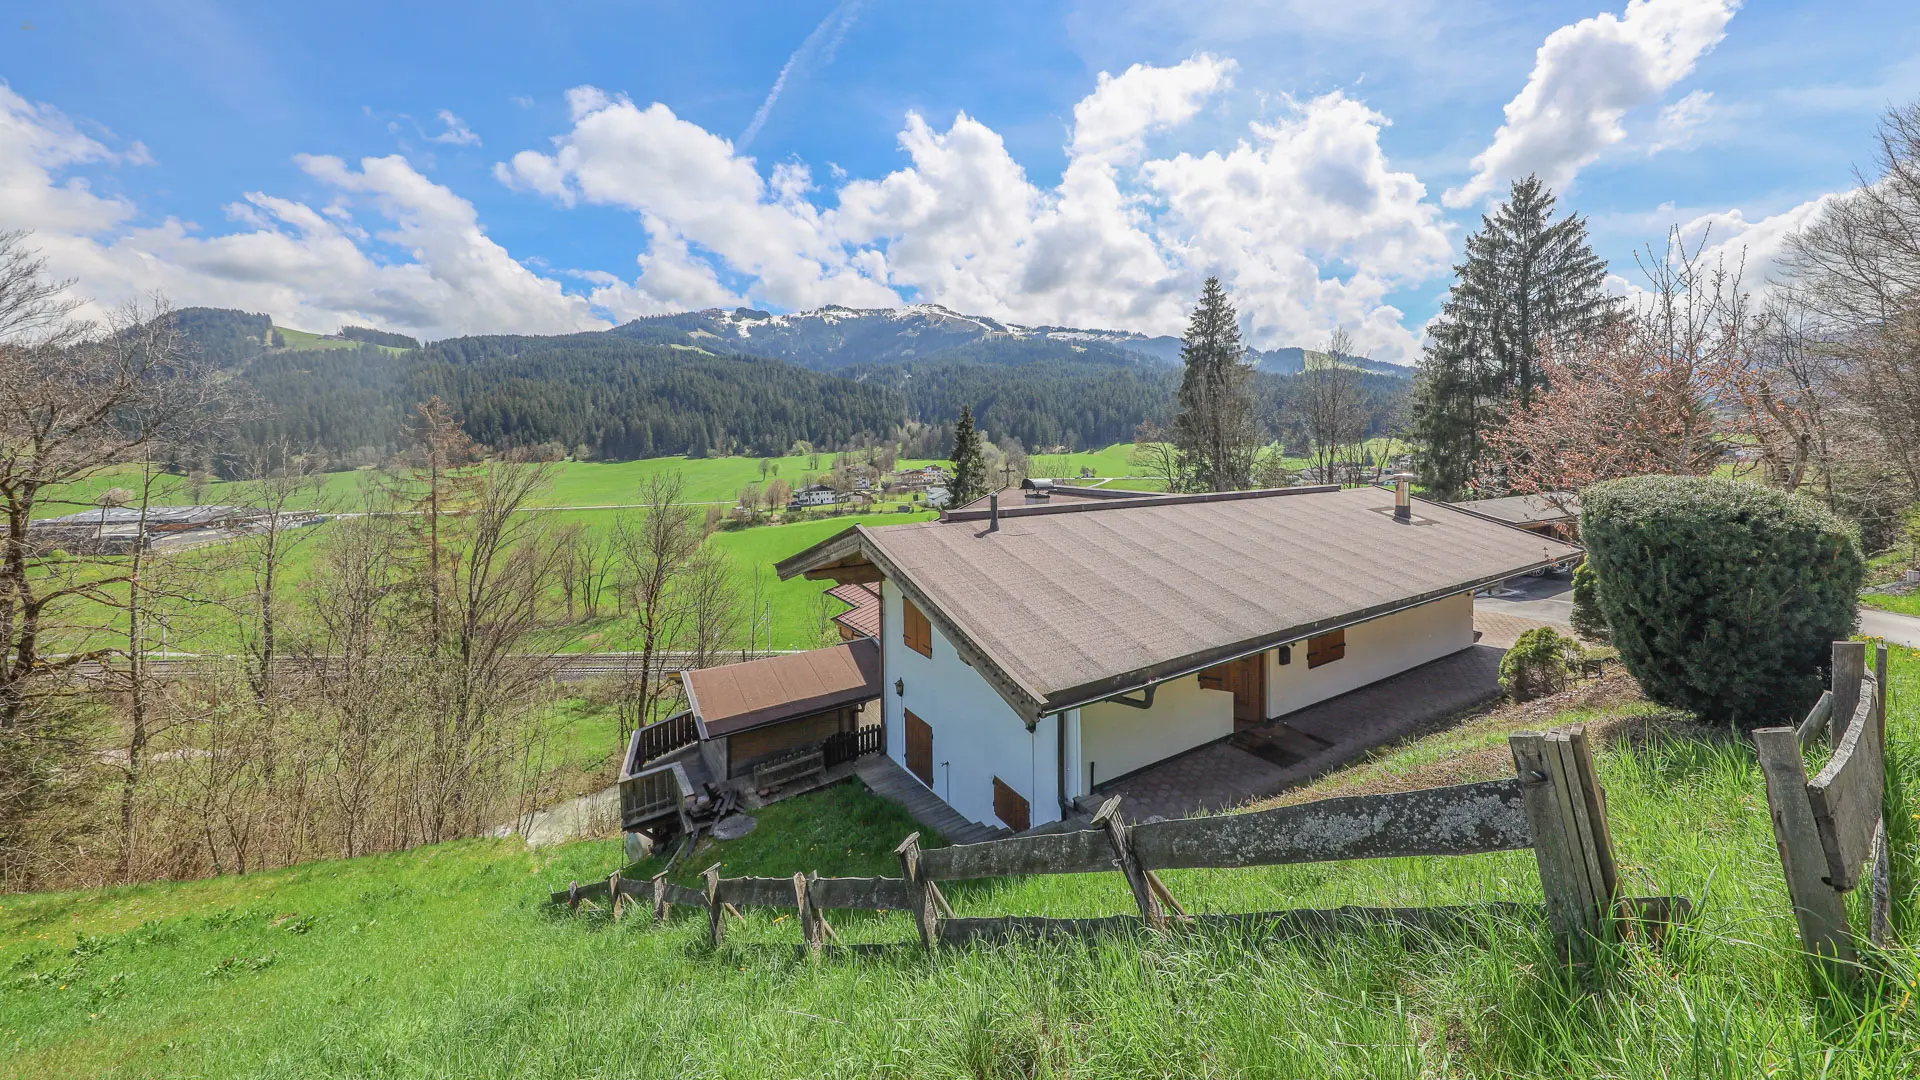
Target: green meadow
448, 961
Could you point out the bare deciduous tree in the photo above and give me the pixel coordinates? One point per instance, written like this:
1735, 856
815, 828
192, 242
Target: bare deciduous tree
1328, 408
76, 398
654, 547
1856, 267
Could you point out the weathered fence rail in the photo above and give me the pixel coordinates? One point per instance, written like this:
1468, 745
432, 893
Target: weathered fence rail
1555, 806
1830, 829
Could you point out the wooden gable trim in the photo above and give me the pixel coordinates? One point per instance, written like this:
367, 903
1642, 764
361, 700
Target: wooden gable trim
1026, 703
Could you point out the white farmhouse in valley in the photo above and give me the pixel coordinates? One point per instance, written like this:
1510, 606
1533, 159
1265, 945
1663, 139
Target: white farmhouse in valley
1032, 653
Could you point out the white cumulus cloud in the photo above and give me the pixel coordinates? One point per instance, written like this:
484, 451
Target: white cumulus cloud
438, 273
1303, 218
1586, 77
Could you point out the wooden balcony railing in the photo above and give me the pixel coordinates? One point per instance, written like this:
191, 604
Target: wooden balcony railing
653, 794
656, 741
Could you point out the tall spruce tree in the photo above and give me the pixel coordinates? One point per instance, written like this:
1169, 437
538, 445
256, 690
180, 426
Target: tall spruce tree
1527, 280
1217, 430
969, 460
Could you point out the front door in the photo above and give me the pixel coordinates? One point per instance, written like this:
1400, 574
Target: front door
919, 748
1246, 680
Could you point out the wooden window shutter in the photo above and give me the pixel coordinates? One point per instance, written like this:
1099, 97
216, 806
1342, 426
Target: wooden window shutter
1011, 807
918, 630
919, 748
1327, 647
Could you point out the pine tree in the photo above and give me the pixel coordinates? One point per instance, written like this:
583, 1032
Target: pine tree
969, 461
1217, 430
1527, 280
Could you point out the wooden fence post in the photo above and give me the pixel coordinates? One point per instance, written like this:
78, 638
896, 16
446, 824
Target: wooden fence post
1591, 814
716, 913
1820, 911
922, 891
1880, 690
1108, 819
810, 919
661, 909
613, 895
1849, 668
1566, 814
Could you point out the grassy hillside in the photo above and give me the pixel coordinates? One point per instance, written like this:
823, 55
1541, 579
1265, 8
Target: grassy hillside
615, 483
302, 341
789, 608
447, 962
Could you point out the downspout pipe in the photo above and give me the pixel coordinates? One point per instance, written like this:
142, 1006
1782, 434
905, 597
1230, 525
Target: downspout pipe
1060, 764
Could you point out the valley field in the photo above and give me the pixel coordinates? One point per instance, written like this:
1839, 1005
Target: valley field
448, 960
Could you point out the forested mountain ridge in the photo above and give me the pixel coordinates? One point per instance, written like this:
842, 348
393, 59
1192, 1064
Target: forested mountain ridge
834, 337
614, 397
715, 382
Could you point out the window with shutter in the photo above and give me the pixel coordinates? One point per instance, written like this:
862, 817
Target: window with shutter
1326, 648
1011, 807
918, 631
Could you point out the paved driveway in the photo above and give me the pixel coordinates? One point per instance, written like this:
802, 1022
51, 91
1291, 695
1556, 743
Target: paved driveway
1899, 629
1547, 599
1550, 599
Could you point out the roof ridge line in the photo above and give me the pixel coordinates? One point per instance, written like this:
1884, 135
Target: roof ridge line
1143, 501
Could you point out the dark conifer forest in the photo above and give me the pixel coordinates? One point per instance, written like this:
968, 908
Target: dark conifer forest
655, 388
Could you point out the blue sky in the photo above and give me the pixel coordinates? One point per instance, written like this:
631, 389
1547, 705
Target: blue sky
484, 167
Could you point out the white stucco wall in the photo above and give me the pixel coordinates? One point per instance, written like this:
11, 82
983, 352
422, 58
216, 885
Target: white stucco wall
978, 736
1375, 649
1117, 739
975, 732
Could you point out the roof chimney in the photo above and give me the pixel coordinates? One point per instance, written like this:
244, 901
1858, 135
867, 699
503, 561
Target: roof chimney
993, 510
1402, 502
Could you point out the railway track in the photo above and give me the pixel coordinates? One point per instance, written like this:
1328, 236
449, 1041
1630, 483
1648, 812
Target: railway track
562, 667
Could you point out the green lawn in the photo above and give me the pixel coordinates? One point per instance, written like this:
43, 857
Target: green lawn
1907, 604
609, 483
447, 961
793, 605
304, 341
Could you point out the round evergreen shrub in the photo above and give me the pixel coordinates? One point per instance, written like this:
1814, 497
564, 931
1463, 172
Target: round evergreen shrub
1723, 597
1587, 620
1541, 662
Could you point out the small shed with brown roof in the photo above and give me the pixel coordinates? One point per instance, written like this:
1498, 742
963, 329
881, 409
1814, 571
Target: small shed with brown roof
1553, 513
752, 711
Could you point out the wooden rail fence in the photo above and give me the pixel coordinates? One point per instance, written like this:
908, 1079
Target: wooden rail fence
1830, 828
1554, 805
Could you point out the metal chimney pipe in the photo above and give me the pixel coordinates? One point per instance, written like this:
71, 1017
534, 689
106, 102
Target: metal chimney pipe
1402, 501
993, 512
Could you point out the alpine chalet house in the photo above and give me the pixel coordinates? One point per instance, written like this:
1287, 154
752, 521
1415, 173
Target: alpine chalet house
1031, 653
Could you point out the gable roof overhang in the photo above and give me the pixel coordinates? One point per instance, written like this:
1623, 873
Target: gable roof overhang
851, 555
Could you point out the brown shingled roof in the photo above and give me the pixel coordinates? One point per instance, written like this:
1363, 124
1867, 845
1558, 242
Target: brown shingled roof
1072, 606
1056, 493
1548, 508
863, 613
735, 697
